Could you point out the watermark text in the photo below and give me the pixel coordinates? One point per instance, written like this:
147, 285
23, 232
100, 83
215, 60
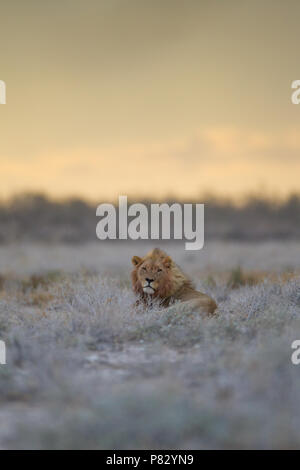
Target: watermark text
2, 92
295, 358
2, 353
153, 221
296, 94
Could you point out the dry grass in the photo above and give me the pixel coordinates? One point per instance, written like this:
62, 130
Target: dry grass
87, 370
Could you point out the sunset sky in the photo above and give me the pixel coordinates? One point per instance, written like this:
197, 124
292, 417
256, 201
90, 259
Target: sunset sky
164, 97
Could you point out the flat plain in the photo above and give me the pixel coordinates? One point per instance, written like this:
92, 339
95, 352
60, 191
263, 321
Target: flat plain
86, 369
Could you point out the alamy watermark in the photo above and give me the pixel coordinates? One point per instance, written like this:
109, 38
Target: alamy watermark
2, 353
295, 358
153, 221
296, 94
2, 92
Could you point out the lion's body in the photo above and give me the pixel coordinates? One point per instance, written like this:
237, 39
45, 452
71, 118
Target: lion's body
157, 278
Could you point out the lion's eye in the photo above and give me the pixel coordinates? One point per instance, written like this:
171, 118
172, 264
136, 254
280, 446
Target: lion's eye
143, 268
159, 270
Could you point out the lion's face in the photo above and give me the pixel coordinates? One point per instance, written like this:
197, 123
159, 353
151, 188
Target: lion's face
151, 274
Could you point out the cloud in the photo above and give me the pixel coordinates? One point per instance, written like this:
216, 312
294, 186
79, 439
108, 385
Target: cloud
219, 159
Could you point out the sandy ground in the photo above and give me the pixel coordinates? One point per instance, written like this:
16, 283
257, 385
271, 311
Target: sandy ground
115, 256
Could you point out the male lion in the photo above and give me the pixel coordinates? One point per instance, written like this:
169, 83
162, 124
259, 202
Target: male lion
157, 277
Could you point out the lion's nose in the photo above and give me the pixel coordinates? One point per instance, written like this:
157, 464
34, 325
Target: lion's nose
149, 280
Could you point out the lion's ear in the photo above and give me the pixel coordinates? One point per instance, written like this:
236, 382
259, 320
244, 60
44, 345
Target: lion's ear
167, 262
136, 260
